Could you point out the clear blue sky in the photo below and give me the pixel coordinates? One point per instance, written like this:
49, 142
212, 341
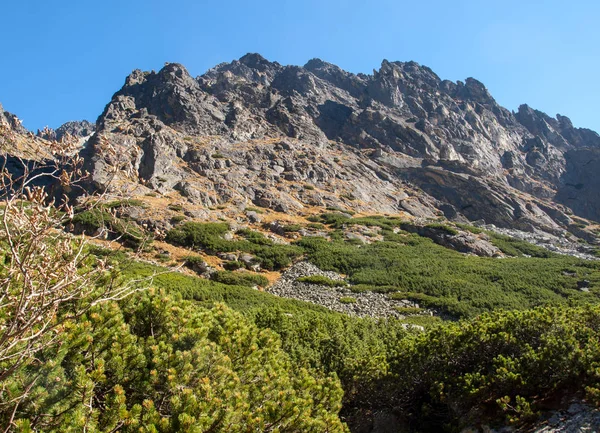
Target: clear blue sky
63, 60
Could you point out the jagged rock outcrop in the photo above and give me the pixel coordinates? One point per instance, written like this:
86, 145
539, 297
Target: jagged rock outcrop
76, 129
11, 121
559, 132
399, 140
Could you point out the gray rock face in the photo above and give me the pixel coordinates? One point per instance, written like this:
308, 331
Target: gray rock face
401, 139
559, 132
580, 184
577, 418
77, 129
463, 242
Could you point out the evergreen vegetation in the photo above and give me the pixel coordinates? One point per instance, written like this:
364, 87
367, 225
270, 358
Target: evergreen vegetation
416, 268
193, 354
460, 285
209, 237
517, 248
347, 300
443, 227
503, 367
152, 360
207, 292
126, 231
240, 278
157, 363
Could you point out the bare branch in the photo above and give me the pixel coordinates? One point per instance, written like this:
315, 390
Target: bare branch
47, 277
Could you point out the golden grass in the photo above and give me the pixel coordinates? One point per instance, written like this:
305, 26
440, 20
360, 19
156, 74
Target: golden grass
178, 254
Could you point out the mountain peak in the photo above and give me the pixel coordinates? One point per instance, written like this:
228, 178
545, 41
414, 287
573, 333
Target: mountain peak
174, 71
255, 61
316, 63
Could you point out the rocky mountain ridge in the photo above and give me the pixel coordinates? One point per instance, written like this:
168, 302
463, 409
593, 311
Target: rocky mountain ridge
400, 140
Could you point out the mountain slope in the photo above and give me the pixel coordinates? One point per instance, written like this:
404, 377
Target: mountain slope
301, 141
400, 140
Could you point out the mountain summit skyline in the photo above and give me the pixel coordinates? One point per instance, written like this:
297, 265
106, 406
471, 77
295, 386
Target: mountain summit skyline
542, 56
311, 61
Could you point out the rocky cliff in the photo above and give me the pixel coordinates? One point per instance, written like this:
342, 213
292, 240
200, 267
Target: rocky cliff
401, 140
77, 129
